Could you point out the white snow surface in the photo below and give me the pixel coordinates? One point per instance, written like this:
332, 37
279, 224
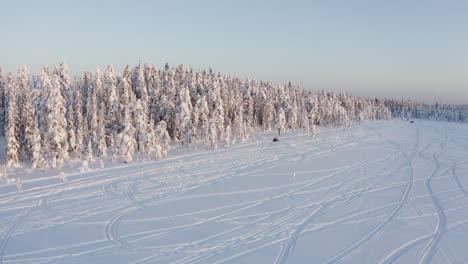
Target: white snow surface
381, 192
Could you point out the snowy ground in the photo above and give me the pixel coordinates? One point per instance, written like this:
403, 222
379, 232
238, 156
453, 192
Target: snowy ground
382, 192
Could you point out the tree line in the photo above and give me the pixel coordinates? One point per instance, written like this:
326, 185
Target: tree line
437, 111
50, 118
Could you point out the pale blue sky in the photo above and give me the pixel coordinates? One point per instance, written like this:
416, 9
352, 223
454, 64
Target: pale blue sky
400, 48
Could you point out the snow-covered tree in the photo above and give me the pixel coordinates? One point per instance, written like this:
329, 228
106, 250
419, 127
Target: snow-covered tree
203, 113
184, 117
127, 140
112, 107
304, 121
71, 128
93, 120
89, 152
125, 93
163, 139
98, 89
3, 104
56, 135
139, 83
28, 123
79, 121
314, 130
65, 82
12, 123
24, 109
268, 115
103, 136
37, 157
152, 144
86, 91
280, 121
227, 136
212, 136
40, 101
141, 126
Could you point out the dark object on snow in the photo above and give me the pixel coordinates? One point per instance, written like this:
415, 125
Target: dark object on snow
411, 121
275, 139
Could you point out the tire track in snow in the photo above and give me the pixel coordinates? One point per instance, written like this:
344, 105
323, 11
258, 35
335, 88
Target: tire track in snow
397, 253
288, 247
394, 212
117, 219
169, 190
331, 150
340, 197
9, 231
191, 260
129, 194
43, 203
431, 248
289, 193
111, 229
457, 180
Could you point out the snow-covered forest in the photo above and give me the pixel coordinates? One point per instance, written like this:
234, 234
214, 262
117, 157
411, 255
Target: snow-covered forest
50, 118
441, 112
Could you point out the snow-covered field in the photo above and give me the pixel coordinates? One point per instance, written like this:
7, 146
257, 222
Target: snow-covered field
380, 192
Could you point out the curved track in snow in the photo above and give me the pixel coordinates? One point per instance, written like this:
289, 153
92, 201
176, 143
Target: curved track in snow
382, 192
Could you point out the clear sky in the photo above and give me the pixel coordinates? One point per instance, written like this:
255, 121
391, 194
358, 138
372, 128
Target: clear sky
414, 49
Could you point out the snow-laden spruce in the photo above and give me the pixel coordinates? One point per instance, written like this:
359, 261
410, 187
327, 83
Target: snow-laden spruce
48, 119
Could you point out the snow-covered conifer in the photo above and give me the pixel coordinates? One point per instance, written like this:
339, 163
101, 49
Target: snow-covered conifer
102, 136
141, 125
227, 136
304, 121
268, 115
212, 136
41, 100
86, 92
3, 104
163, 139
98, 89
203, 117
93, 119
238, 126
141, 91
27, 142
65, 82
79, 134
127, 140
37, 156
56, 135
71, 128
291, 116
112, 107
280, 121
127, 75
152, 143
125, 92
184, 116
11, 130
23, 81
24, 108
195, 114
89, 152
